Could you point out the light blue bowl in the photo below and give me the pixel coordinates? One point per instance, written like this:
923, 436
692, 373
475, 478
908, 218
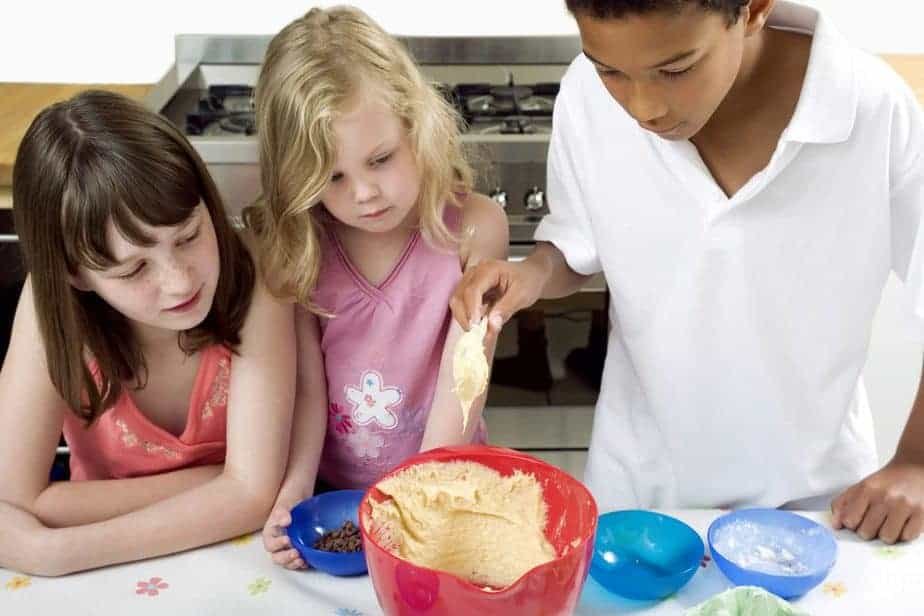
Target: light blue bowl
314, 517
644, 555
784, 553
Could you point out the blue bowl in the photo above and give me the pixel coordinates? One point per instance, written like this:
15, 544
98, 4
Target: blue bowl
644, 555
314, 517
784, 553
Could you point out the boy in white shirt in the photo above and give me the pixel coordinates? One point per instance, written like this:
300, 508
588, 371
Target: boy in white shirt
745, 180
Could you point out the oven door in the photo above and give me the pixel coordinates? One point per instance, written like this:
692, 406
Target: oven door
12, 276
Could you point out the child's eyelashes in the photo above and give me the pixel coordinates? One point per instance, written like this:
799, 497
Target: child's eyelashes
666, 73
674, 74
375, 162
381, 160
609, 72
132, 274
189, 239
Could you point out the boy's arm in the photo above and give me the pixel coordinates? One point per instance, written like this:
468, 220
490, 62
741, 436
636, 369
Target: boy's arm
889, 504
505, 287
259, 419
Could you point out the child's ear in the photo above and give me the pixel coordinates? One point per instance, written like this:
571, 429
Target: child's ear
77, 281
755, 14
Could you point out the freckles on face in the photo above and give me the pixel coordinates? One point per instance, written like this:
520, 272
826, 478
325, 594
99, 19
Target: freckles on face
169, 284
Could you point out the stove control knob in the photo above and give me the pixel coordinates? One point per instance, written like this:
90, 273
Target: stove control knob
535, 199
500, 197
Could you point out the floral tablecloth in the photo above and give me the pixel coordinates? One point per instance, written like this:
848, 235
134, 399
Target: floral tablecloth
237, 577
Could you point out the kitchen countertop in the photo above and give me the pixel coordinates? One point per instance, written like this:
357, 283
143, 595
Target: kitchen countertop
238, 577
22, 101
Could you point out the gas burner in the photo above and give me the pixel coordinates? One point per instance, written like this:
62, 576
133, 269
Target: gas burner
243, 124
482, 102
232, 98
511, 125
536, 105
225, 109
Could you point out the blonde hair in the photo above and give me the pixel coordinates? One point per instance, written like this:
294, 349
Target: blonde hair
314, 68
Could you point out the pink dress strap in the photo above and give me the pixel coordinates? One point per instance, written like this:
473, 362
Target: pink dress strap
125, 443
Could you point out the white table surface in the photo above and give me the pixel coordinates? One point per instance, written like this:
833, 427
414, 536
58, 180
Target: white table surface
237, 577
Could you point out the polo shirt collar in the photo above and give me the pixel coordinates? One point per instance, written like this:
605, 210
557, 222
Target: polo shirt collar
827, 106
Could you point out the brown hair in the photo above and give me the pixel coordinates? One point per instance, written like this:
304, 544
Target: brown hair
313, 69
83, 162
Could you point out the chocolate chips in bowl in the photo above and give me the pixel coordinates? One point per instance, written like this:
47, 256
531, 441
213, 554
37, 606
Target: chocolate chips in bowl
344, 539
325, 532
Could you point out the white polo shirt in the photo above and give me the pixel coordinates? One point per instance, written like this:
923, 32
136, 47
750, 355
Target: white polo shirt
740, 326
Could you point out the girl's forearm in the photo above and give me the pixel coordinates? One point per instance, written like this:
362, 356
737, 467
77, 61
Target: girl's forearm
73, 503
308, 433
444, 427
220, 509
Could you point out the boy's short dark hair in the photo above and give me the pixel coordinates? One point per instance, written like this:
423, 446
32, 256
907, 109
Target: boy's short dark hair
615, 9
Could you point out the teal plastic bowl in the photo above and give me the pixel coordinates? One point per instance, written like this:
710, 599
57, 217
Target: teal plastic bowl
644, 555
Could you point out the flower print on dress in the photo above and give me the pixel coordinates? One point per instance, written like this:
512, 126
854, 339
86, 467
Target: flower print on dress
372, 401
340, 419
366, 444
218, 395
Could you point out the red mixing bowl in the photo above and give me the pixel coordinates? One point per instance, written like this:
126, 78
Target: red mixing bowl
405, 589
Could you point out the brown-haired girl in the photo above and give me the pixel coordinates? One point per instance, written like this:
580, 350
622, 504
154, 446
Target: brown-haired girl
144, 334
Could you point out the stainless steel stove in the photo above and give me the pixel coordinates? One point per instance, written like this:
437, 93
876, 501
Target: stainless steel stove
503, 87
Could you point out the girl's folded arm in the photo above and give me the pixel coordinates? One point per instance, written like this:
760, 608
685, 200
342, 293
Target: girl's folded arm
31, 416
31, 411
236, 501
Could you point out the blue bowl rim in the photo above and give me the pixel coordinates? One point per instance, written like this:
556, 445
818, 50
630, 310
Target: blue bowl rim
726, 517
311, 550
694, 566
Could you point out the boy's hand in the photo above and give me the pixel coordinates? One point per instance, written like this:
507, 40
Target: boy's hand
508, 286
276, 541
888, 504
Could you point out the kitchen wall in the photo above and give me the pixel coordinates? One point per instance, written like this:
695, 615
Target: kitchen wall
108, 42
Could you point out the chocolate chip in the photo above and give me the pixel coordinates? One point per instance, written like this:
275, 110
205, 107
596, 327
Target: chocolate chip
344, 539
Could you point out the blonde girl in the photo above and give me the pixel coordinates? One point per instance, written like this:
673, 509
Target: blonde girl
368, 220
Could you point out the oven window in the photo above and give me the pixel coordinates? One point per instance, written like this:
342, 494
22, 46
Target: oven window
12, 275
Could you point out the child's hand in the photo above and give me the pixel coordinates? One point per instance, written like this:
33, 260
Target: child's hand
888, 504
276, 541
505, 286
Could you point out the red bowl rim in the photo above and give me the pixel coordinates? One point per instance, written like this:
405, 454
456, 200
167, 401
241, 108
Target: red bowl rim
465, 452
